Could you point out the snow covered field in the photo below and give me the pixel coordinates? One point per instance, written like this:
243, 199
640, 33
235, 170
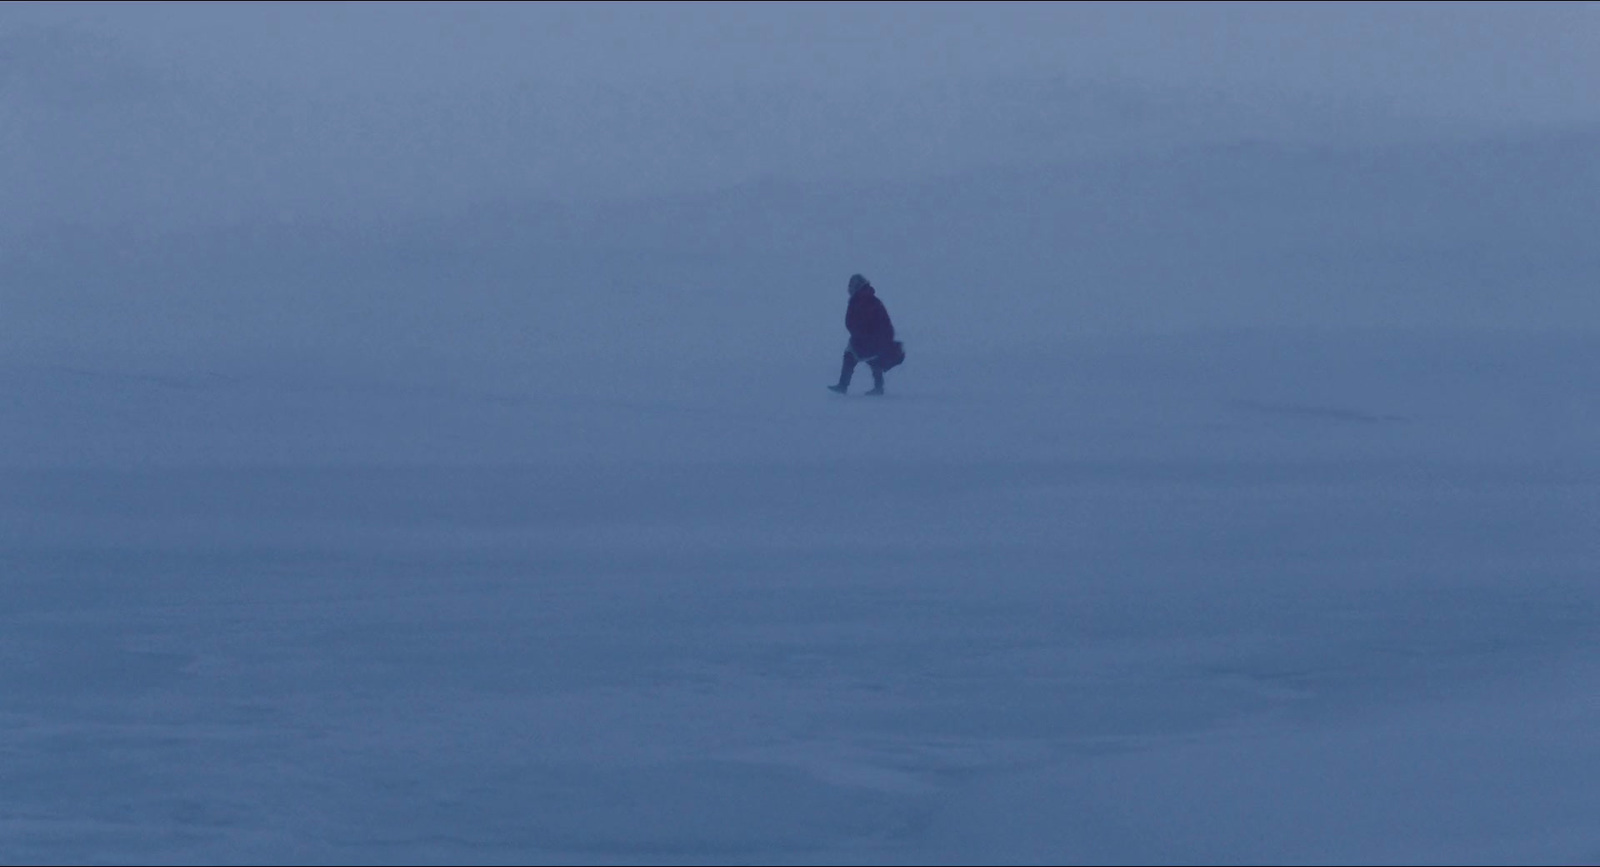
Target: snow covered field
1302, 599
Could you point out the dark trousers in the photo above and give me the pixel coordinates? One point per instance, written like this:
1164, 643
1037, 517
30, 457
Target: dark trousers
849, 368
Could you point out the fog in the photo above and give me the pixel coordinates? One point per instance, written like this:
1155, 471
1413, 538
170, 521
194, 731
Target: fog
178, 176
415, 444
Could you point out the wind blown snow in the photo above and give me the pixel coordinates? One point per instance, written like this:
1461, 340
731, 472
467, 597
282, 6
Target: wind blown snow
1288, 599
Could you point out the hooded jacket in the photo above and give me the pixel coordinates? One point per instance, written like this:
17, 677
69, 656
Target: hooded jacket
867, 320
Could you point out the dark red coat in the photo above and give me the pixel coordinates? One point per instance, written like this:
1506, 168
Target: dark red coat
867, 320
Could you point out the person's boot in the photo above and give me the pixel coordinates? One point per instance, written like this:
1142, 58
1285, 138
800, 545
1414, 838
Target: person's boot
877, 382
846, 370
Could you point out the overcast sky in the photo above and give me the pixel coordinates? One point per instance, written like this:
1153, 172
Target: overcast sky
440, 104
175, 118
1511, 60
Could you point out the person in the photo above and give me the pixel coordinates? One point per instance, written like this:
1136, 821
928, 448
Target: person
871, 337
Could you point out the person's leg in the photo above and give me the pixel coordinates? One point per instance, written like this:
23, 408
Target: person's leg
877, 380
846, 370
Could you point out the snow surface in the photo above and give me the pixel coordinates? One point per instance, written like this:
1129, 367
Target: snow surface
1229, 598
